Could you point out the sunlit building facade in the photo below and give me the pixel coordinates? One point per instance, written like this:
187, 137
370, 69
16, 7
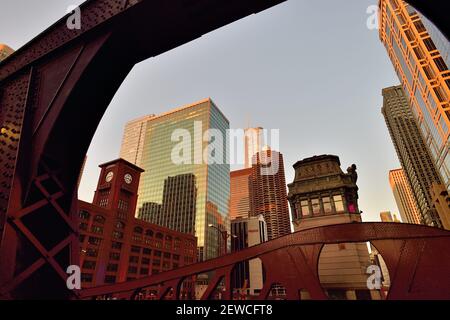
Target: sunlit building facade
404, 197
412, 151
182, 188
240, 193
420, 57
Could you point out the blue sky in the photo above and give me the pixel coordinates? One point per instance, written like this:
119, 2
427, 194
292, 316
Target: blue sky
309, 68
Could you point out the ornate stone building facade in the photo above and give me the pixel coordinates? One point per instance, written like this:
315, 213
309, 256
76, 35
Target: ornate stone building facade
322, 194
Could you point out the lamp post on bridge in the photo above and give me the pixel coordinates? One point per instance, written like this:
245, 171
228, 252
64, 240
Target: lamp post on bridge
225, 235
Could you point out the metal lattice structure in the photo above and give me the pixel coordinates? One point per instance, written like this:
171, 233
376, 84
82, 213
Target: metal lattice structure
417, 258
53, 94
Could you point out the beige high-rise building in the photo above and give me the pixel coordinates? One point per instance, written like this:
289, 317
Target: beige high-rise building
412, 151
253, 140
5, 51
409, 212
133, 140
387, 216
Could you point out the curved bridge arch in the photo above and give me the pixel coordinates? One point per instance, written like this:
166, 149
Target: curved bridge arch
53, 94
417, 257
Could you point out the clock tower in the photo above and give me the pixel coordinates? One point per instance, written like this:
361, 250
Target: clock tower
117, 187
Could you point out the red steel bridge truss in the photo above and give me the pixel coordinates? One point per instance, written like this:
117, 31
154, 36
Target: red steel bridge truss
53, 94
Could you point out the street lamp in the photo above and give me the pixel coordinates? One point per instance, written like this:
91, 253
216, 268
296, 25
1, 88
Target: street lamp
225, 235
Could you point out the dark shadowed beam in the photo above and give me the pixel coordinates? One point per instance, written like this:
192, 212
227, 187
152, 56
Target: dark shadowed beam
435, 10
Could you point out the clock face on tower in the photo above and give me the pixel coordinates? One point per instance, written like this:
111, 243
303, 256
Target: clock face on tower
128, 178
109, 176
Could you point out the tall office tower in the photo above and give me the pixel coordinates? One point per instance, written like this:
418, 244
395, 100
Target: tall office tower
322, 194
240, 193
170, 148
268, 195
5, 51
412, 151
387, 216
404, 197
248, 276
133, 139
253, 143
419, 53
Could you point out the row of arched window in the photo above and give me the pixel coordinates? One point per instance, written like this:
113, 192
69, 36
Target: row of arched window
85, 215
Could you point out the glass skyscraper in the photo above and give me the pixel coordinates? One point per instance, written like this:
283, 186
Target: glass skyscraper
420, 55
185, 195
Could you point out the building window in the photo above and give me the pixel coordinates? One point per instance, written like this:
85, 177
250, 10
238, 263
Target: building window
338, 203
138, 230
120, 225
83, 226
149, 233
86, 277
145, 261
326, 204
134, 259
103, 202
94, 241
147, 251
156, 263
99, 219
91, 252
315, 206
144, 271
90, 265
305, 208
135, 249
114, 256
159, 236
84, 215
110, 279
132, 269
123, 205
97, 229
116, 245
112, 267
117, 235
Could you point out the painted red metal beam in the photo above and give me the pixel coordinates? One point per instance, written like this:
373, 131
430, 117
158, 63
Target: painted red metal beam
293, 261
